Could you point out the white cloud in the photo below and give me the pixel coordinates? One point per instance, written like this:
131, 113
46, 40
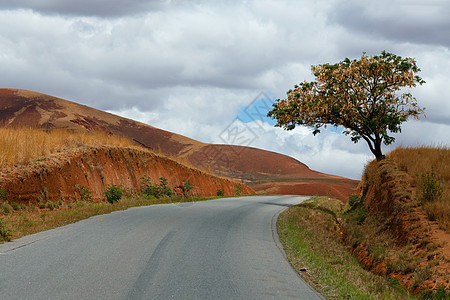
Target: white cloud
190, 67
423, 133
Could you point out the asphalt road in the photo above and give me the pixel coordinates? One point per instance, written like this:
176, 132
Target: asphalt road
220, 249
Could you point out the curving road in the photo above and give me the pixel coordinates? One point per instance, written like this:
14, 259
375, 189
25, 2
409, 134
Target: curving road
220, 249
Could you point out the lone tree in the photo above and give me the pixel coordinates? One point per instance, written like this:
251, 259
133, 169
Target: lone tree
363, 95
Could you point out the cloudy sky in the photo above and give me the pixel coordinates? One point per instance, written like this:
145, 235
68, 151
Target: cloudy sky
197, 67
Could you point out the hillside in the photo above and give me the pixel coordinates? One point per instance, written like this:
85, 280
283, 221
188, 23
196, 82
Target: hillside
409, 237
264, 171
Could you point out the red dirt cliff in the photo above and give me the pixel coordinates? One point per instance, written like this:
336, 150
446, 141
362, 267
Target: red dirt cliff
58, 176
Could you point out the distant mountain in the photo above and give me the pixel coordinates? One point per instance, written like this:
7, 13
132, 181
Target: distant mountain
264, 171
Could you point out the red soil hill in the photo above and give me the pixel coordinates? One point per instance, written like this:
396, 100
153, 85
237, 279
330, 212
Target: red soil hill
264, 171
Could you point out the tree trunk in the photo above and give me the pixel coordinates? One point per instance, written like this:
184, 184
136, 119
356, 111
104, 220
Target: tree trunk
377, 150
375, 146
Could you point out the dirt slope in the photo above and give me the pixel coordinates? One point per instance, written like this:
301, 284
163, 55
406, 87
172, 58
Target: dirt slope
423, 261
263, 170
58, 176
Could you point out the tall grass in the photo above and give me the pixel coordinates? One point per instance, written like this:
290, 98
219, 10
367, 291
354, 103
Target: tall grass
21, 145
419, 161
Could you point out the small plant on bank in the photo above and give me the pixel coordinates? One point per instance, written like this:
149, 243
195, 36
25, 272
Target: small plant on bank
146, 185
186, 187
113, 193
59, 203
18, 206
3, 194
357, 211
164, 189
220, 192
5, 208
440, 293
5, 233
237, 190
353, 200
155, 191
395, 284
15, 205
85, 193
50, 205
430, 187
42, 205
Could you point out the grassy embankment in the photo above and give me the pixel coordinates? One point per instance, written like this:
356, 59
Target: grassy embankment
313, 233
310, 233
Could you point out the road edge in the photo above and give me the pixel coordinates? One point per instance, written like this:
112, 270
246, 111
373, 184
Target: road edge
276, 239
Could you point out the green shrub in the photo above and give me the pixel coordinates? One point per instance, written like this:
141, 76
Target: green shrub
5, 233
59, 203
237, 190
358, 214
440, 293
113, 193
18, 206
186, 187
156, 191
164, 189
85, 193
426, 294
220, 192
429, 186
395, 284
146, 185
353, 200
3, 194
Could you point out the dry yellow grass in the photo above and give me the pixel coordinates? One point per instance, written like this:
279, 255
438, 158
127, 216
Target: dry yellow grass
21, 145
420, 160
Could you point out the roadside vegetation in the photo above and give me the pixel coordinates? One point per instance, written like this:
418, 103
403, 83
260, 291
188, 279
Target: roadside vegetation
310, 233
29, 219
